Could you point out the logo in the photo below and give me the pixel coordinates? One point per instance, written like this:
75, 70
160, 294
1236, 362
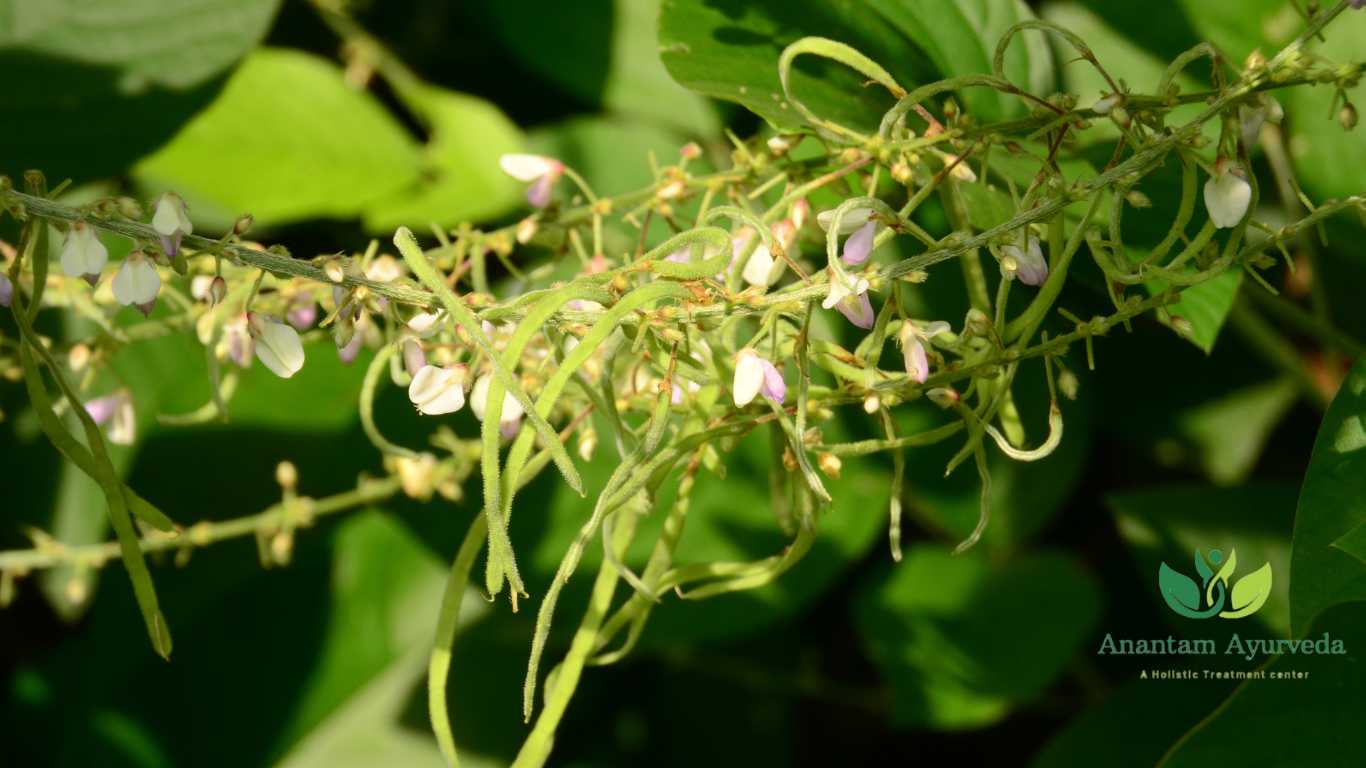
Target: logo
1213, 596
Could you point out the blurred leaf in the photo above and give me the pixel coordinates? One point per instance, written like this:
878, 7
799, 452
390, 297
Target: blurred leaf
1313, 719
287, 139
461, 179
1229, 433
949, 632
91, 85
1332, 503
1167, 524
729, 49
604, 53
1126, 61
1166, 711
1319, 147
960, 37
611, 154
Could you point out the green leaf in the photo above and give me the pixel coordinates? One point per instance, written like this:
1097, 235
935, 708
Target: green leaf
1229, 432
1249, 593
1322, 707
1178, 590
1202, 308
1319, 147
949, 632
960, 37
385, 588
1168, 524
1332, 504
288, 139
461, 179
91, 86
730, 51
1165, 711
603, 53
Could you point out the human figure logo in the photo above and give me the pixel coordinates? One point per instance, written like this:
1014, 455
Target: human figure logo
1213, 595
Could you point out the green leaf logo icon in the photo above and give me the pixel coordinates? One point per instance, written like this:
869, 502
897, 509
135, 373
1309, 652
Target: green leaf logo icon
1249, 593
1212, 595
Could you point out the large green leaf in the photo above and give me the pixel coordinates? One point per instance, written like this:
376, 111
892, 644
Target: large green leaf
729, 49
960, 37
288, 139
1144, 716
461, 179
604, 53
1312, 718
949, 633
1229, 433
1332, 505
91, 85
1164, 526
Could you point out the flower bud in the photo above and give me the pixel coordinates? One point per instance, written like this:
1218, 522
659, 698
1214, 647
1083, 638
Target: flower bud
588, 443
1347, 116
218, 288
1106, 104
171, 220
690, 151
526, 229
302, 312
334, 270
384, 269
243, 224
779, 145
859, 245
801, 211
871, 404
78, 357
944, 397
830, 464
1029, 263
286, 475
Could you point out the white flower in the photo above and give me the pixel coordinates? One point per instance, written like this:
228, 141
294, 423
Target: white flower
437, 390
137, 283
1105, 103
426, 324
384, 269
541, 171
512, 410
749, 377
172, 222
83, 255
849, 295
277, 345
1227, 194
117, 411
853, 219
759, 268
912, 338
1029, 263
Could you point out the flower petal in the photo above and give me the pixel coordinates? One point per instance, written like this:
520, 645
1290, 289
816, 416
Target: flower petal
527, 167
1227, 197
858, 309
759, 268
749, 377
859, 244
853, 219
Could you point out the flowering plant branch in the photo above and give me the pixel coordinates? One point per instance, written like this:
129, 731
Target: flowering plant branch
706, 335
